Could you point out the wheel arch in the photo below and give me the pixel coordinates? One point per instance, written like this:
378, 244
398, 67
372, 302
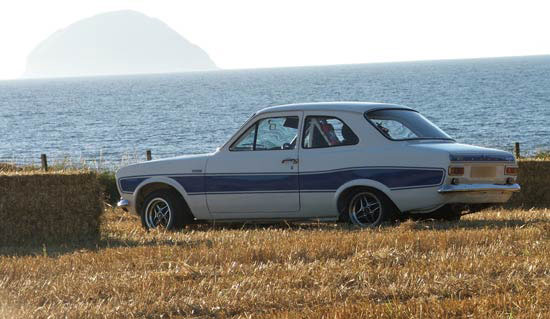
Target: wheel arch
347, 188
156, 183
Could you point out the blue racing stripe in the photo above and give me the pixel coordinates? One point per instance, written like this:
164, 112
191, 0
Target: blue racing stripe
393, 178
129, 185
191, 184
245, 183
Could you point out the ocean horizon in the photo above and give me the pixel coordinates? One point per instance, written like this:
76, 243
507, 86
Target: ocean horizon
492, 102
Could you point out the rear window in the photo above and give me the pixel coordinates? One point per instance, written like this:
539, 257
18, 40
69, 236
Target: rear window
399, 124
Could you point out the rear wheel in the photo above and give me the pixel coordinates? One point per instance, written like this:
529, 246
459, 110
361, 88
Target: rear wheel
369, 208
163, 209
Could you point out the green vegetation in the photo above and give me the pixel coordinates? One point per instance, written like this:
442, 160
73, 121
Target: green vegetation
107, 181
542, 155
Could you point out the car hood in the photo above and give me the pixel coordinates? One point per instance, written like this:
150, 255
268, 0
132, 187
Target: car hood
466, 153
187, 164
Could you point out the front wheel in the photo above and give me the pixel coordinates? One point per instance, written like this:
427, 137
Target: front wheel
369, 208
162, 209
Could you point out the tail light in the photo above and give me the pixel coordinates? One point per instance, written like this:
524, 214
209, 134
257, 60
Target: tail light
456, 171
511, 170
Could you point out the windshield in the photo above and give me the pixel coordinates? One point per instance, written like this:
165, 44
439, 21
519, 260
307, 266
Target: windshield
398, 124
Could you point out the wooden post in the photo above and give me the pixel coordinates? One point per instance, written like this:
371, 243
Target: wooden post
516, 150
148, 155
44, 161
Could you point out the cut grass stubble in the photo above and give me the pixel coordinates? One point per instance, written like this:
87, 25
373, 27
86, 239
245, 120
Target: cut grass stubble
495, 263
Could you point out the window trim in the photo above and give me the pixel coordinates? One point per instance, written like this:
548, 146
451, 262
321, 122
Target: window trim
402, 139
319, 147
230, 148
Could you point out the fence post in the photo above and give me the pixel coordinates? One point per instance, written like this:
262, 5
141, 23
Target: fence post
148, 155
516, 150
44, 161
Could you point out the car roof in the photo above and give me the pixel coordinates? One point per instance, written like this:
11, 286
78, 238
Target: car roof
358, 107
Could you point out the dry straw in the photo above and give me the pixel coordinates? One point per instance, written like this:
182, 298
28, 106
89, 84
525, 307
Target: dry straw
494, 264
38, 207
534, 178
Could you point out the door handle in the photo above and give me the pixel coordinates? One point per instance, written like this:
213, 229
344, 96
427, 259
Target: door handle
293, 160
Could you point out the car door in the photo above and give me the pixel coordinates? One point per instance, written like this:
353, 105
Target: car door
257, 174
328, 151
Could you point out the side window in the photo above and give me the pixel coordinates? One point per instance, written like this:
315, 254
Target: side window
246, 141
394, 129
275, 133
325, 131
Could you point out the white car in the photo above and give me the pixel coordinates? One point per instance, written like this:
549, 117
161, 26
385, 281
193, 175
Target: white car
365, 163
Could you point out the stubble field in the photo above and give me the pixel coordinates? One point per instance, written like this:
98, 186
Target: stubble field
492, 264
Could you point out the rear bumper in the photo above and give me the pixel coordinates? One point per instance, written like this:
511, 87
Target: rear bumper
460, 188
477, 193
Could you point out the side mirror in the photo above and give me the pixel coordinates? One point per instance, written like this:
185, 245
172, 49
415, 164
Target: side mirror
287, 146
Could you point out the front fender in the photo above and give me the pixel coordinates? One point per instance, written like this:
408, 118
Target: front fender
164, 180
366, 183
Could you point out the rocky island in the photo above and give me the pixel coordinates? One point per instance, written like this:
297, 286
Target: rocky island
121, 42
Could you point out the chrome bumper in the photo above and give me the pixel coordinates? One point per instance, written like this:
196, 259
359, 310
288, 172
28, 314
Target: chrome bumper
479, 188
123, 203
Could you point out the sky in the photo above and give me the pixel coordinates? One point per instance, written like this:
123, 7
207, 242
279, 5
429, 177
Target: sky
241, 34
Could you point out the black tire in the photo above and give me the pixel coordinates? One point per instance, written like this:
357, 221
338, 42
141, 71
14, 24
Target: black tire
368, 207
177, 216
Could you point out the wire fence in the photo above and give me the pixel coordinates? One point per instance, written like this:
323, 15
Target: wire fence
61, 161
107, 163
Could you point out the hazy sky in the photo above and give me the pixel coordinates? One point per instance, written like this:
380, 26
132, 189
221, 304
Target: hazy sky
252, 34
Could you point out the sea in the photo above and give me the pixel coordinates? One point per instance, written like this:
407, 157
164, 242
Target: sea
111, 121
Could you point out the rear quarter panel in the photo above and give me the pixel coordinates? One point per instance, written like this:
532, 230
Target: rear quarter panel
409, 178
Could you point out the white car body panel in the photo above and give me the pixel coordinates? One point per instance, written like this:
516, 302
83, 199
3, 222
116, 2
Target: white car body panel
247, 185
228, 169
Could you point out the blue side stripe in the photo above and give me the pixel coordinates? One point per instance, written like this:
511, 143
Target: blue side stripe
129, 185
244, 183
192, 184
393, 178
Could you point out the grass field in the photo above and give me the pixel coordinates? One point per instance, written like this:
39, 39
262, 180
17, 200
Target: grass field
492, 264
